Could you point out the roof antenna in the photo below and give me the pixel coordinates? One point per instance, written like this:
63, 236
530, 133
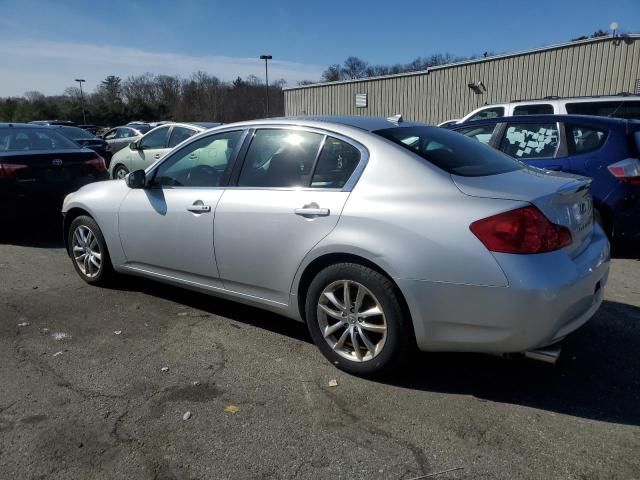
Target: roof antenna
397, 118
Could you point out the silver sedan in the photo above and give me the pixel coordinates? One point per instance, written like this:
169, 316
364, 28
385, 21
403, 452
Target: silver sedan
381, 235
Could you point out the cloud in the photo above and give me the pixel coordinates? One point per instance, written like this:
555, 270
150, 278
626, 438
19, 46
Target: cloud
50, 67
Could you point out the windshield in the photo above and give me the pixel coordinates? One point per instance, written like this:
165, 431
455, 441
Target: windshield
451, 151
25, 139
75, 132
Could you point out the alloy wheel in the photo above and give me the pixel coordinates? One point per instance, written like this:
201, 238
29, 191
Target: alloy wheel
352, 321
86, 251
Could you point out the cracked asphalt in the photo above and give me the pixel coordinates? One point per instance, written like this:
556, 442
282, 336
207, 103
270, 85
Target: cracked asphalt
93, 404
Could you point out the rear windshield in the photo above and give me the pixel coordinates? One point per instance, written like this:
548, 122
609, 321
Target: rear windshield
75, 132
616, 108
451, 151
24, 139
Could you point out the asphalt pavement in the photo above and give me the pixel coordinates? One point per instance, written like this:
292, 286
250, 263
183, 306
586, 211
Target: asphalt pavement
95, 384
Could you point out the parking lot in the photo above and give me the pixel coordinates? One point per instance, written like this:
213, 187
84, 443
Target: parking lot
95, 383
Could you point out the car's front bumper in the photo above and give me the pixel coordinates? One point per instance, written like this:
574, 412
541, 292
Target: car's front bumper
549, 296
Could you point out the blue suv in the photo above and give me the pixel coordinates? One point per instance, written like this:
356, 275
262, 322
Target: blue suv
605, 149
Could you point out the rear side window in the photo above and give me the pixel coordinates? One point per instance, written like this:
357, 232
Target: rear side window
179, 134
280, 158
485, 113
535, 109
616, 108
481, 133
336, 163
586, 139
453, 153
530, 140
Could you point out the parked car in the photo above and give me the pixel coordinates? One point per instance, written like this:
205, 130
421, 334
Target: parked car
39, 166
605, 149
94, 129
119, 137
378, 234
84, 138
153, 145
620, 106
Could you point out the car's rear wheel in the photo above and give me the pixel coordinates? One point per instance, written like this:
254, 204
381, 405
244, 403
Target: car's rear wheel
355, 317
120, 172
88, 251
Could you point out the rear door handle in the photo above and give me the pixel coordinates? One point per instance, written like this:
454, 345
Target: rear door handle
199, 207
312, 212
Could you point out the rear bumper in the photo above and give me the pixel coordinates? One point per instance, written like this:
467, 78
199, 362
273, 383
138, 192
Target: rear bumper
549, 296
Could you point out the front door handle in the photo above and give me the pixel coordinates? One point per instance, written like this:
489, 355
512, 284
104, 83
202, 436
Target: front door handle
312, 210
199, 207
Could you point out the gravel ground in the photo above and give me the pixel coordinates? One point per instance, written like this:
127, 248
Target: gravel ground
95, 383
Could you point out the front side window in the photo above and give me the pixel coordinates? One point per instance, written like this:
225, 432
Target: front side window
336, 163
486, 113
179, 134
586, 139
617, 108
124, 132
280, 158
111, 134
481, 133
534, 109
155, 139
530, 140
450, 151
201, 163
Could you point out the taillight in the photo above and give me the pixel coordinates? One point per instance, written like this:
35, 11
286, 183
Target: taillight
9, 169
97, 163
627, 170
524, 230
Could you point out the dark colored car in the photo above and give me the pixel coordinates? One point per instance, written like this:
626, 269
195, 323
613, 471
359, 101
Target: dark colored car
39, 166
605, 149
52, 122
86, 139
119, 137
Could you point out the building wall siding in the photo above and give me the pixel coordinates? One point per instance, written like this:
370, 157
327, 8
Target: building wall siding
595, 67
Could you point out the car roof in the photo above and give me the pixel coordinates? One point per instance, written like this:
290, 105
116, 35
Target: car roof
585, 119
368, 124
23, 125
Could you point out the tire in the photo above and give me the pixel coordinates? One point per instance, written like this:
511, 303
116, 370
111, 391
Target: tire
120, 172
85, 240
389, 333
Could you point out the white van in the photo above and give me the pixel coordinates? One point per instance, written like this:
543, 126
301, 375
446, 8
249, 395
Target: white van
622, 106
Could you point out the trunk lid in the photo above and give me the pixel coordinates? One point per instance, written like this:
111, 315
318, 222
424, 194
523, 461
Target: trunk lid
563, 198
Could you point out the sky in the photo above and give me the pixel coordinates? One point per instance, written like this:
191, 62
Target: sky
45, 45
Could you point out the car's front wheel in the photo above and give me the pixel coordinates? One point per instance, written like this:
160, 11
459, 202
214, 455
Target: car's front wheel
120, 172
88, 251
355, 317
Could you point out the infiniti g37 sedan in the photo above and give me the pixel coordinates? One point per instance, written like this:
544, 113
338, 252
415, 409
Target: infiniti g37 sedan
380, 234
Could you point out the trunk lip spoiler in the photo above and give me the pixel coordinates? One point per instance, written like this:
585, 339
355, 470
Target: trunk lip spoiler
575, 186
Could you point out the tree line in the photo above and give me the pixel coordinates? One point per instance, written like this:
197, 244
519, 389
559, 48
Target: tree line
149, 97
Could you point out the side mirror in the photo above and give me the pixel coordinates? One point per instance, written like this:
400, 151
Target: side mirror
134, 146
136, 179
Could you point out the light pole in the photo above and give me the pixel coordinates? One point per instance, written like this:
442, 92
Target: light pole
266, 59
80, 80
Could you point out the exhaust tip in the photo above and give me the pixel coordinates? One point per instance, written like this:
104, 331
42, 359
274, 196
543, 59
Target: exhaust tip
548, 354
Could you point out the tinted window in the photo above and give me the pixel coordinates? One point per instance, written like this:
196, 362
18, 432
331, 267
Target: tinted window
615, 108
155, 139
485, 113
586, 139
19, 139
482, 133
535, 109
280, 158
75, 132
450, 151
198, 164
530, 140
336, 163
179, 134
